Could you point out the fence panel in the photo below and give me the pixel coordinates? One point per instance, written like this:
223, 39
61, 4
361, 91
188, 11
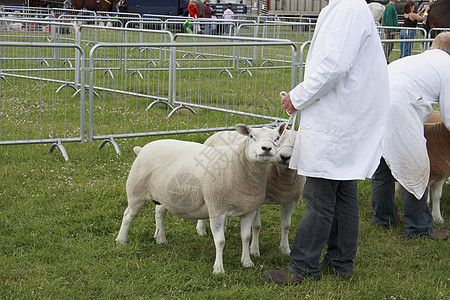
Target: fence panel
198, 89
394, 49
39, 101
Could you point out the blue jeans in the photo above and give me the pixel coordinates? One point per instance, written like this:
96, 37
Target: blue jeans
406, 48
417, 214
208, 29
330, 218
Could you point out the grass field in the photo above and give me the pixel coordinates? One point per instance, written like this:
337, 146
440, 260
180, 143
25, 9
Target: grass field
59, 221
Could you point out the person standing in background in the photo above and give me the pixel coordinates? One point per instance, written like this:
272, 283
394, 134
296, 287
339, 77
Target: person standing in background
207, 14
214, 26
193, 13
193, 9
390, 18
411, 20
228, 15
199, 4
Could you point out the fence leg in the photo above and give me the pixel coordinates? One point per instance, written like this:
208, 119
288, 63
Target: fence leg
180, 107
166, 102
113, 142
61, 147
67, 84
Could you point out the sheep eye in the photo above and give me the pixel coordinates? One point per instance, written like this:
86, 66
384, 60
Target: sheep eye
251, 136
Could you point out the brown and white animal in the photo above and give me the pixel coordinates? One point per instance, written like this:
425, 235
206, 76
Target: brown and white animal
377, 10
284, 187
94, 5
194, 181
438, 146
438, 16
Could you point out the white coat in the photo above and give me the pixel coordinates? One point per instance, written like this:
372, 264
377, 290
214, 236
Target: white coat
417, 84
344, 98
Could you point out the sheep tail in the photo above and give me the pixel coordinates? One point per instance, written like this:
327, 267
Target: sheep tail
137, 150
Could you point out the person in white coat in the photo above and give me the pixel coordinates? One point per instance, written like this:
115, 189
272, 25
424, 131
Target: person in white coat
343, 101
417, 84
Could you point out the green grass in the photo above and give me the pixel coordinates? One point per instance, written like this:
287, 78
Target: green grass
59, 221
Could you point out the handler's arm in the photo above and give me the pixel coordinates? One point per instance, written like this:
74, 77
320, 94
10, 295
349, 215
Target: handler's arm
340, 43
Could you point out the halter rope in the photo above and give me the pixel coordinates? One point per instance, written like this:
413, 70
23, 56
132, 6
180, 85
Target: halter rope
292, 119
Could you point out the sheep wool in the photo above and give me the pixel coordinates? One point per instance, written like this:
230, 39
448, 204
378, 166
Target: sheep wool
194, 181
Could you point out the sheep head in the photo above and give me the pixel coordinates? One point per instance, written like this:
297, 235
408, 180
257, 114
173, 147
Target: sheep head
262, 143
283, 156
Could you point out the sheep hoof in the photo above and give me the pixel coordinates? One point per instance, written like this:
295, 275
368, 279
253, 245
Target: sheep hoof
248, 264
285, 250
218, 270
439, 220
255, 253
202, 233
160, 240
120, 242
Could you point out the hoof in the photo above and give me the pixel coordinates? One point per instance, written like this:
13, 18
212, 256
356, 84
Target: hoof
120, 242
160, 240
248, 264
285, 250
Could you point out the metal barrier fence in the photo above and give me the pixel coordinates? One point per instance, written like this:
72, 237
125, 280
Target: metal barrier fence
295, 32
36, 103
434, 31
40, 30
238, 60
145, 82
39, 11
403, 41
185, 95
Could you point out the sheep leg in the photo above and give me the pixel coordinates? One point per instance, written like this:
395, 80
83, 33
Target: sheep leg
436, 193
217, 225
256, 228
286, 214
201, 228
246, 225
128, 216
160, 217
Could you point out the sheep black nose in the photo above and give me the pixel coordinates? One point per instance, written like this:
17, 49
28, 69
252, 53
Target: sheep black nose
267, 149
285, 157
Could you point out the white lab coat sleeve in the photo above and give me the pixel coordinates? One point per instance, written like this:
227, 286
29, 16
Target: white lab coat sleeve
341, 43
444, 102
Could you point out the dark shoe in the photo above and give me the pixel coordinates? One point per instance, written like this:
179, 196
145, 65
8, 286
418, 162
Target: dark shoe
281, 277
326, 267
440, 235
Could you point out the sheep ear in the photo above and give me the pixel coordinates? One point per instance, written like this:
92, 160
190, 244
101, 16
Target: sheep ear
282, 128
243, 129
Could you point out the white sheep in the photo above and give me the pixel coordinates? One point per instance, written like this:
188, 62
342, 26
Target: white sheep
438, 146
377, 10
194, 181
284, 187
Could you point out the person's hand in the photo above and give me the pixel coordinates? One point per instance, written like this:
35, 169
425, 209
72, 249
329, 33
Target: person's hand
286, 104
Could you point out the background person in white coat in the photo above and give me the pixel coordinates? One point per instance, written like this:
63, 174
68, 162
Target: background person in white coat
417, 84
343, 102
